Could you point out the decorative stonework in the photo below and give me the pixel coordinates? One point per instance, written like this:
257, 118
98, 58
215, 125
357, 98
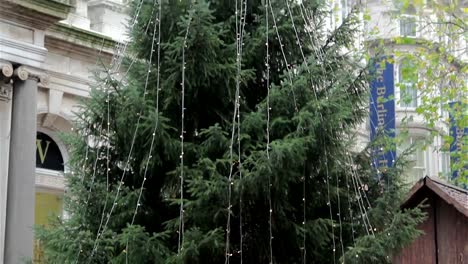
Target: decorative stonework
111, 5
38, 14
25, 72
5, 92
92, 41
19, 52
7, 68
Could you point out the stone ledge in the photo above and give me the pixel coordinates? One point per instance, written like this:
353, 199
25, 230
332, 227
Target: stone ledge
70, 84
54, 8
22, 53
92, 42
50, 179
38, 14
111, 5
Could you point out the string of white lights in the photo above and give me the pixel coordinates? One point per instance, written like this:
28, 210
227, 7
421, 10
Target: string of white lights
97, 141
108, 144
87, 142
121, 49
98, 149
240, 25
350, 209
360, 205
102, 228
298, 42
243, 13
288, 69
327, 176
339, 206
182, 132
358, 186
238, 80
304, 178
153, 135
267, 64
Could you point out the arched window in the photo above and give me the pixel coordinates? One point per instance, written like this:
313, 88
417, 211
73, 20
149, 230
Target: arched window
48, 155
408, 79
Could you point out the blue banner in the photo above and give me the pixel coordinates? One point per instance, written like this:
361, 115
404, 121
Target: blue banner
382, 111
458, 135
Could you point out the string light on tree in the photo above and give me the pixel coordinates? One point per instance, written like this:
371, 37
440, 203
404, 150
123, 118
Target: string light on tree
153, 135
102, 228
267, 64
182, 132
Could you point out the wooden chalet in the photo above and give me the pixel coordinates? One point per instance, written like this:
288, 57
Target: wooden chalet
445, 238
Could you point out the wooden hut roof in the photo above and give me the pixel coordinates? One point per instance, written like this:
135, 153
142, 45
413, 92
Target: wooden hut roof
455, 196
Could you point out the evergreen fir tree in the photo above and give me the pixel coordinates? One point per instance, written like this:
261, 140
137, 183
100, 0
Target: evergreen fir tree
314, 107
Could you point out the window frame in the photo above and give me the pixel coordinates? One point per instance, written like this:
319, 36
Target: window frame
408, 17
415, 102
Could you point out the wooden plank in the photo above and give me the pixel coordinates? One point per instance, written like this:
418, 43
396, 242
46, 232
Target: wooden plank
422, 250
452, 234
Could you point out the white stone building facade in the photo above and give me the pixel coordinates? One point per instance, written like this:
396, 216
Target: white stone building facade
405, 28
48, 49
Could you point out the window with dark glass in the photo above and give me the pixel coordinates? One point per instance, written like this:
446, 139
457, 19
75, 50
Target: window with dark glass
48, 155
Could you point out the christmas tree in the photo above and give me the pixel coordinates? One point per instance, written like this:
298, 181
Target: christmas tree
224, 135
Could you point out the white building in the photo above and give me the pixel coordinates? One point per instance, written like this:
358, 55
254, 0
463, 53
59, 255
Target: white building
401, 30
47, 51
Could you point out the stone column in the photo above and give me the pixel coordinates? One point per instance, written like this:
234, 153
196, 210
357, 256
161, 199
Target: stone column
5, 111
22, 161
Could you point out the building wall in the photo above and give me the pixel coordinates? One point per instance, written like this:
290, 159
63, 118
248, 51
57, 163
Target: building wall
59, 43
384, 25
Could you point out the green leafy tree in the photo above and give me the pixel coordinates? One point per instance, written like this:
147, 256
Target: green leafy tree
433, 46
326, 201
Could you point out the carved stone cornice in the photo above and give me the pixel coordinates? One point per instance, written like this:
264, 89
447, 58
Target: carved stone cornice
79, 41
18, 52
24, 72
111, 5
36, 13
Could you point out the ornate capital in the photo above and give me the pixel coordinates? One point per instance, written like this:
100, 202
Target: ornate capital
6, 68
24, 72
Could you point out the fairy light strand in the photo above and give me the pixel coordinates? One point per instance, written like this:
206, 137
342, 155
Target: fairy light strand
239, 67
298, 42
182, 132
153, 135
270, 208
240, 25
102, 229
330, 206
337, 180
114, 64
284, 57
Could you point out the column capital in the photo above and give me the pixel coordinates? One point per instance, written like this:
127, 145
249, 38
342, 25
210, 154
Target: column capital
6, 68
25, 72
